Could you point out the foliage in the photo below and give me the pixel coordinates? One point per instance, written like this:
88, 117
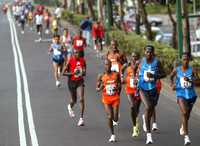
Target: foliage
162, 9
47, 2
131, 42
72, 18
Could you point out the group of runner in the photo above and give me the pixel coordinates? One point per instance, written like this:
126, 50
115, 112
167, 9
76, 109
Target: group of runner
141, 77
38, 17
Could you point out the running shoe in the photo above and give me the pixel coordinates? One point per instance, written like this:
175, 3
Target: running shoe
115, 123
58, 83
149, 139
81, 122
144, 123
154, 127
136, 131
112, 138
22, 32
187, 140
71, 112
181, 131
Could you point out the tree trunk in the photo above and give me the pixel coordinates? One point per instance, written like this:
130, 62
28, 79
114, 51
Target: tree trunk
143, 13
137, 17
122, 11
100, 7
186, 28
65, 4
90, 9
174, 27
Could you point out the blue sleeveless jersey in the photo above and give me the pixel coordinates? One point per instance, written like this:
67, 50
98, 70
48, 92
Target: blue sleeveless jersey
184, 89
144, 82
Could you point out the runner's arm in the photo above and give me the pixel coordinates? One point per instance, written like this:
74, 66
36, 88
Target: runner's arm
172, 82
196, 78
99, 85
161, 73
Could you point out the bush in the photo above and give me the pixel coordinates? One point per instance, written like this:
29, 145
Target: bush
47, 2
66, 15
72, 18
131, 42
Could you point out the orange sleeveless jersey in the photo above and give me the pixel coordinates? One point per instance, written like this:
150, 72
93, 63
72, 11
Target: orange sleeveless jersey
109, 94
130, 87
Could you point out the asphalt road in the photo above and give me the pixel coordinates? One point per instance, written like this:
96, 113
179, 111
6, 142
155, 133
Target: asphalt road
48, 122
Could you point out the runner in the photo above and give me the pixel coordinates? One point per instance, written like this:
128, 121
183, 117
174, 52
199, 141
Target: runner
98, 36
22, 21
110, 84
79, 43
54, 25
117, 59
47, 16
76, 70
150, 71
66, 41
86, 27
39, 21
57, 58
132, 92
186, 79
30, 19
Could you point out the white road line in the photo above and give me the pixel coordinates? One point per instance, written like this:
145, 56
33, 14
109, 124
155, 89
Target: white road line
31, 124
22, 135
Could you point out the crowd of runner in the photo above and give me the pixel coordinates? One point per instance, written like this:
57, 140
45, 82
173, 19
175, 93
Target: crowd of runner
140, 76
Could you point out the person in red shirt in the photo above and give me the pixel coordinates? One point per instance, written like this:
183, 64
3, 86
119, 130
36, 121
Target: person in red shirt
98, 36
76, 70
79, 43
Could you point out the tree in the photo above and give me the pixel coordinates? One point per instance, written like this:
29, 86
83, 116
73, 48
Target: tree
100, 7
90, 8
174, 28
143, 13
186, 28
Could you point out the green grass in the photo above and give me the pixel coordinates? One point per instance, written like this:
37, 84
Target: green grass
161, 9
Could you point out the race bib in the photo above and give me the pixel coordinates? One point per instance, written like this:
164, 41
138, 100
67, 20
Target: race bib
56, 52
78, 72
110, 89
185, 84
79, 43
146, 77
132, 83
115, 67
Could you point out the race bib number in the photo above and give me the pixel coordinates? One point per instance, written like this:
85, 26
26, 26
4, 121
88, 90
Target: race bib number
78, 72
115, 67
110, 89
146, 78
79, 43
132, 83
185, 84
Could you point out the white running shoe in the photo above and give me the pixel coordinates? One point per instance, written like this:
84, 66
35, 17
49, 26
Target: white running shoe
144, 123
58, 83
154, 127
115, 123
22, 32
181, 131
71, 112
112, 138
39, 33
81, 122
149, 139
187, 140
